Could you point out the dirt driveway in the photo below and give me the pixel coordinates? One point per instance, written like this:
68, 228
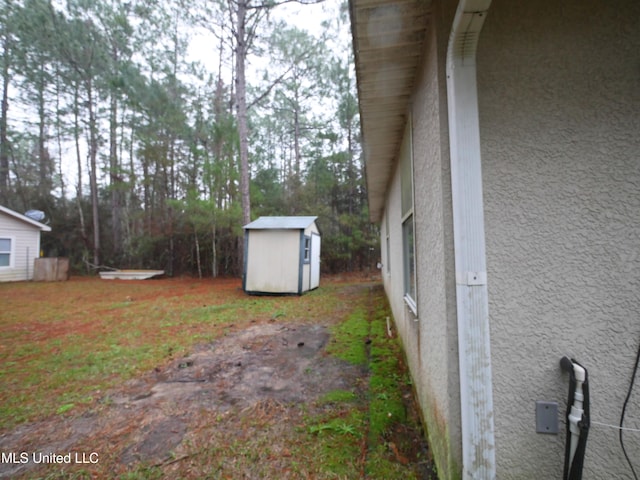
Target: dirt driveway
258, 402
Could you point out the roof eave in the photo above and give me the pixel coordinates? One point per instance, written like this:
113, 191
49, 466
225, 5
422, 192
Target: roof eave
23, 218
388, 39
281, 223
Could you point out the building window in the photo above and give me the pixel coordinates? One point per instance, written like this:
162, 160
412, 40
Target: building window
388, 242
408, 237
5, 252
307, 249
408, 249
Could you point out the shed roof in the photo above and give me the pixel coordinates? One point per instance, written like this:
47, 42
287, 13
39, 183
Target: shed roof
23, 218
388, 43
287, 223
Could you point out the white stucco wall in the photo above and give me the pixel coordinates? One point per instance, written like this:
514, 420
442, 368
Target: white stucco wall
559, 93
26, 248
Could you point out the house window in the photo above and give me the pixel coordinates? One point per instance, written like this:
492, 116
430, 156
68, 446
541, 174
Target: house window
408, 249
5, 252
388, 242
307, 249
408, 236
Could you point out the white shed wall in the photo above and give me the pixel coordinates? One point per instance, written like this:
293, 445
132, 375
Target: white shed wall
314, 268
26, 248
306, 267
560, 130
273, 261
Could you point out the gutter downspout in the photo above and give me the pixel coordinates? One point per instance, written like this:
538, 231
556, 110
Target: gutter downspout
476, 398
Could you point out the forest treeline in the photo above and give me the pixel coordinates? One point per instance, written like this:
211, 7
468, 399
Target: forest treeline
141, 157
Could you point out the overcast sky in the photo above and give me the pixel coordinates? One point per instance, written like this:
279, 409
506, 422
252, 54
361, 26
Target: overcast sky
203, 46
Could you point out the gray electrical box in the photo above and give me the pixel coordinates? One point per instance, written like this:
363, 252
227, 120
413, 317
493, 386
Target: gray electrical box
547, 417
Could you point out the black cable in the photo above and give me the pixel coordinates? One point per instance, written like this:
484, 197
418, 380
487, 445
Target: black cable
624, 408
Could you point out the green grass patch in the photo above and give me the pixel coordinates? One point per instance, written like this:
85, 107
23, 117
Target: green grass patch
362, 340
335, 442
338, 396
62, 356
349, 341
386, 405
380, 466
79, 337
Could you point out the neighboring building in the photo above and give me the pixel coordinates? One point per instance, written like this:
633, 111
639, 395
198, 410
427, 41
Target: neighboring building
19, 245
502, 151
281, 255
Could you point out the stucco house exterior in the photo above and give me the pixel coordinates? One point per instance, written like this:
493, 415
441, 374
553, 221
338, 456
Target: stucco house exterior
281, 255
502, 151
19, 245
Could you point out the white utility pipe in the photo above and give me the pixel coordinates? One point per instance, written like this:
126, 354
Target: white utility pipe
476, 398
577, 410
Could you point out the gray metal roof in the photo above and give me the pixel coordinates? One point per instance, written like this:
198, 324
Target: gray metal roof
293, 223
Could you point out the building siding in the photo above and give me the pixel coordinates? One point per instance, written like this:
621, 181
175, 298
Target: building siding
306, 267
26, 249
273, 261
560, 124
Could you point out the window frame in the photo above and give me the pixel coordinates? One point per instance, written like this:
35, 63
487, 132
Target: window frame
10, 252
409, 263
388, 244
407, 224
307, 249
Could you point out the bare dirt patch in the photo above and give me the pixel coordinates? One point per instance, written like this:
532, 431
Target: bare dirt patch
148, 417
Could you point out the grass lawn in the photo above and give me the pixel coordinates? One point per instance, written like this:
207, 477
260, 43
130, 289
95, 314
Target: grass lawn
171, 378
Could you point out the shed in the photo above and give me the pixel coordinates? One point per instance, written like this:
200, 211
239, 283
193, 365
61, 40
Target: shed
281, 255
19, 245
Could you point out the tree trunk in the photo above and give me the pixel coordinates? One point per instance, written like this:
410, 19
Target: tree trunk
214, 258
114, 175
44, 188
4, 145
93, 172
241, 92
197, 243
79, 192
243, 131
146, 189
59, 138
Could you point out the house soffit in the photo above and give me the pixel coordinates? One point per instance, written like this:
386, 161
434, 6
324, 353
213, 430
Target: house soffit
388, 41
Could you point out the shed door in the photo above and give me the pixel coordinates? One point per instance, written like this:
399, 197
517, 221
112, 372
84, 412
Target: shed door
315, 261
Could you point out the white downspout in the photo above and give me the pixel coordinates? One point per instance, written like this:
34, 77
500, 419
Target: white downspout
476, 399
